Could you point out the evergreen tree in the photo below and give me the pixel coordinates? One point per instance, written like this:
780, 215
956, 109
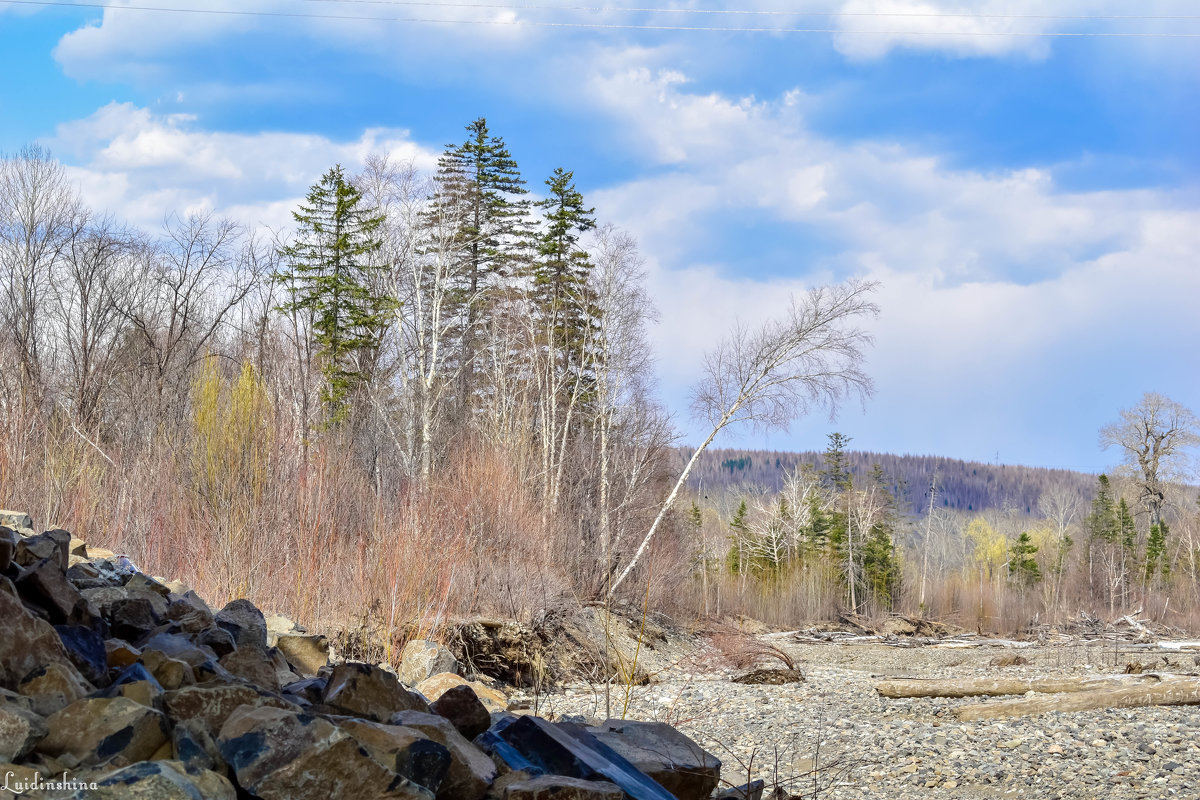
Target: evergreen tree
739, 530
1102, 523
560, 277
1022, 566
327, 274
1156, 552
879, 564
481, 179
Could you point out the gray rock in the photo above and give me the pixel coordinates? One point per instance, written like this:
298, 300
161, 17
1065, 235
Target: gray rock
210, 706
20, 730
464, 711
365, 690
471, 772
420, 659
244, 622
28, 643
405, 751
677, 763
15, 519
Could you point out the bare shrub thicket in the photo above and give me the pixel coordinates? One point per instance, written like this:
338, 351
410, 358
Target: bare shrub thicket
156, 399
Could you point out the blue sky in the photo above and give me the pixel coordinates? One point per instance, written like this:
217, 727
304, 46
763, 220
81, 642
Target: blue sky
1031, 205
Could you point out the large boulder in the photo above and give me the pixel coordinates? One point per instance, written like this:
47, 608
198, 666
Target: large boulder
364, 690
44, 585
244, 622
253, 664
86, 649
569, 749
405, 751
278, 754
434, 687
306, 653
680, 765
28, 643
471, 772
20, 730
52, 545
16, 519
53, 687
94, 730
211, 706
420, 659
464, 711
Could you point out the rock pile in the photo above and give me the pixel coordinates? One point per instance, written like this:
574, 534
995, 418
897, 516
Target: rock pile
114, 684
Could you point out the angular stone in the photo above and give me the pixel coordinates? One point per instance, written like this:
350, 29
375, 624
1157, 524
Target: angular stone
219, 640
405, 751
77, 547
8, 546
284, 674
309, 690
120, 653
193, 745
132, 618
144, 583
307, 654
568, 749
54, 545
158, 780
253, 664
279, 625
20, 730
278, 754
85, 647
677, 763
53, 687
45, 585
433, 688
28, 643
95, 730
471, 771
180, 648
464, 710
210, 706
367, 691
171, 673
560, 787
15, 519
244, 622
420, 659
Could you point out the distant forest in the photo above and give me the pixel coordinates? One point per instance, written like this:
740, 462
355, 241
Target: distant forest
961, 485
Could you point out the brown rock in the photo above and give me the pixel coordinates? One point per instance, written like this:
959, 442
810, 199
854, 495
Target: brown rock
307, 654
559, 787
15, 519
669, 757
284, 755
471, 772
121, 653
28, 643
53, 687
171, 673
253, 664
434, 687
54, 545
421, 659
20, 730
45, 585
157, 780
210, 706
367, 691
244, 622
464, 710
95, 730
405, 751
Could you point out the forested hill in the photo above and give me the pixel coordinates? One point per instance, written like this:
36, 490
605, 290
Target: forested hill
963, 485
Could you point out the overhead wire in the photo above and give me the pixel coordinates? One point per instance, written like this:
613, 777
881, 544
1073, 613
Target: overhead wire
598, 25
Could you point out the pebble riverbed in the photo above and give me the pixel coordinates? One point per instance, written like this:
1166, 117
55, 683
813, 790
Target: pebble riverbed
865, 746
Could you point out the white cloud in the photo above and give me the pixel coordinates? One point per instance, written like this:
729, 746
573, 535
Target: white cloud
1007, 301
142, 166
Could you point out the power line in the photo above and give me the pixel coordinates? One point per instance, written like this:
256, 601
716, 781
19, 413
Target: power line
761, 12
599, 26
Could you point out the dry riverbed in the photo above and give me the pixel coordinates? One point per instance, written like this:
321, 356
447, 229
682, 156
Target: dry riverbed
834, 737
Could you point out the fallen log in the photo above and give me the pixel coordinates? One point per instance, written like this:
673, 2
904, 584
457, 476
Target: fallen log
1167, 692
979, 687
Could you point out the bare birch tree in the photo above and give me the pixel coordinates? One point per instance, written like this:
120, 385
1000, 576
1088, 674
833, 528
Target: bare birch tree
1153, 437
771, 375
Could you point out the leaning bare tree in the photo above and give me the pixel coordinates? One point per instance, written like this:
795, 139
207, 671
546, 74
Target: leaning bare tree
779, 372
1154, 437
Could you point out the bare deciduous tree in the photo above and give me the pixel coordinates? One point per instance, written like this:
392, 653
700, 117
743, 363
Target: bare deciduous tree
778, 372
1153, 437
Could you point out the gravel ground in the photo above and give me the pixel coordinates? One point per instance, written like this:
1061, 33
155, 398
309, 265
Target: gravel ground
866, 746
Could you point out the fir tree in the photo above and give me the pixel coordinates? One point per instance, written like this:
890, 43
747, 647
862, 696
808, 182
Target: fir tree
327, 273
738, 531
560, 278
1102, 523
1022, 566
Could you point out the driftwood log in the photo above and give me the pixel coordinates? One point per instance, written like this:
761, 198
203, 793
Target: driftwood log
980, 687
1167, 692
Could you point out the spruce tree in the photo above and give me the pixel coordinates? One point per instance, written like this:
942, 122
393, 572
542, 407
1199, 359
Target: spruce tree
1022, 566
481, 180
327, 273
560, 277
